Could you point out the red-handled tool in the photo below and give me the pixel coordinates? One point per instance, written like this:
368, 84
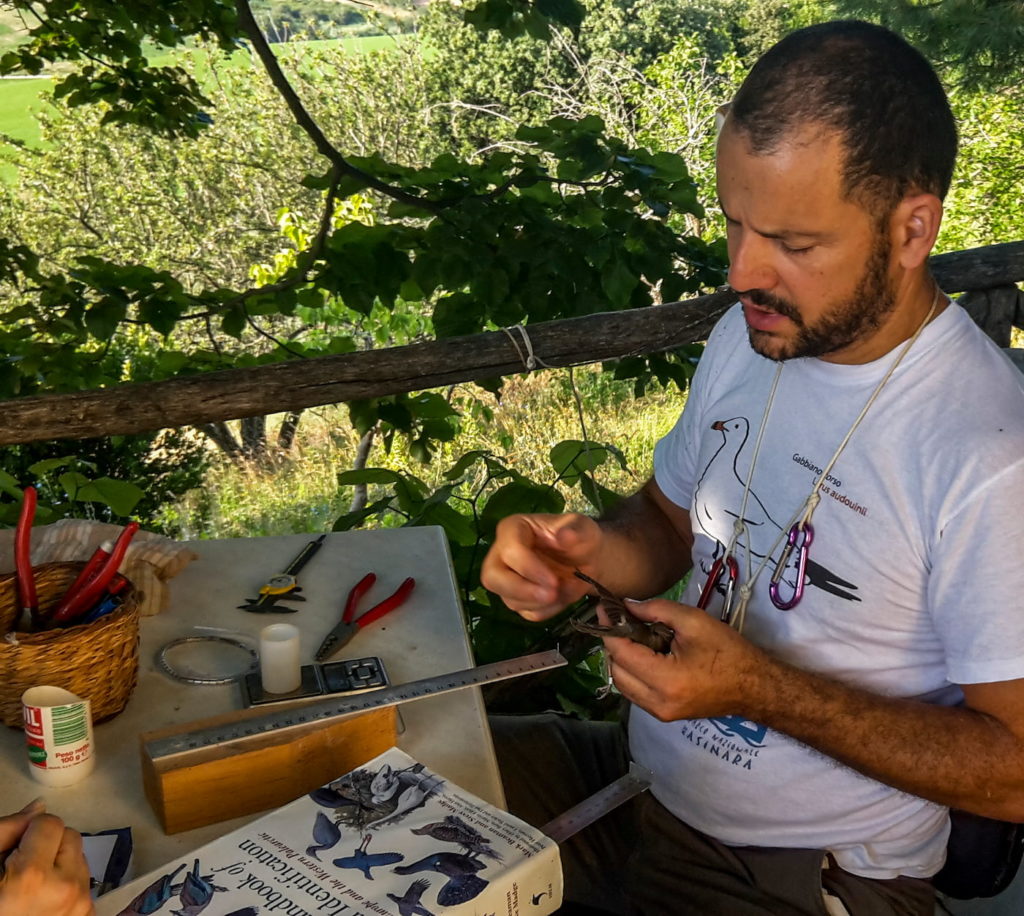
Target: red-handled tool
24, 577
77, 602
89, 570
348, 627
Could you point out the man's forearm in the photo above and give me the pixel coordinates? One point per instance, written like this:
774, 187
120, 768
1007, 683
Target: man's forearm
955, 756
644, 551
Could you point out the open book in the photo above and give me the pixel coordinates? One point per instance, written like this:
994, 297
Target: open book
390, 838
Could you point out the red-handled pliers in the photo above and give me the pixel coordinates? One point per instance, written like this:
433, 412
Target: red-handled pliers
24, 577
85, 593
347, 627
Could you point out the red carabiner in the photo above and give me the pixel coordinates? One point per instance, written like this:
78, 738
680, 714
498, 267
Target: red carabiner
724, 566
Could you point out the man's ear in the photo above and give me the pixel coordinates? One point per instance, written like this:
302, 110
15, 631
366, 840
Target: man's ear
915, 226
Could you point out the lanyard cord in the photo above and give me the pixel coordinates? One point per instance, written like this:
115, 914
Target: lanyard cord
803, 515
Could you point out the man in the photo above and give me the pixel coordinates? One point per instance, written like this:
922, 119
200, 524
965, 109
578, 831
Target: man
804, 759
44, 870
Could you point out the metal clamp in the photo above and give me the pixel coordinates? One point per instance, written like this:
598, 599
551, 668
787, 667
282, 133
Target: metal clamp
163, 662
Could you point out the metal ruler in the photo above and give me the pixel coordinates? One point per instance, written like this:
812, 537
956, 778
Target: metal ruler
637, 780
320, 710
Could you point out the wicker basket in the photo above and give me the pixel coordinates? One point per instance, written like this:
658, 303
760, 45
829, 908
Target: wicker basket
98, 660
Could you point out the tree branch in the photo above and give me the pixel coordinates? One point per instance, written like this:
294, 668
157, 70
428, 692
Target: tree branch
303, 118
233, 393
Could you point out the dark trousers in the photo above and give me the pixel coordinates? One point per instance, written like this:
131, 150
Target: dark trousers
641, 860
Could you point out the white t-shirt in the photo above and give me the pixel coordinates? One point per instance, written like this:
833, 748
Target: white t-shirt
916, 582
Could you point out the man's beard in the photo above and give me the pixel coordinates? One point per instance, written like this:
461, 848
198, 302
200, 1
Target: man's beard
843, 324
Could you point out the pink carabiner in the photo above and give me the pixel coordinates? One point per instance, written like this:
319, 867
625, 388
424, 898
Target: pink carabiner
799, 540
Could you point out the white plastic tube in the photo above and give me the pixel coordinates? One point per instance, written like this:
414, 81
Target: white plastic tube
280, 669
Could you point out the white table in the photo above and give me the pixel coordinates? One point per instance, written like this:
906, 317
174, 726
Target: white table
426, 636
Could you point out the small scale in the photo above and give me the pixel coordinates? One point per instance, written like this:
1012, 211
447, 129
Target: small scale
283, 720
596, 806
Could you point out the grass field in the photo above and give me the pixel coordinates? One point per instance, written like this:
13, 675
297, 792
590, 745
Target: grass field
19, 97
299, 492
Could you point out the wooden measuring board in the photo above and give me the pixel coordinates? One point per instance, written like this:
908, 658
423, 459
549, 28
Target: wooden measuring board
263, 771
250, 760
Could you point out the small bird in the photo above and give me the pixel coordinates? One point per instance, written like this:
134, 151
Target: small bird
409, 902
196, 893
454, 829
656, 635
463, 883
326, 834
404, 790
452, 864
460, 889
364, 861
154, 896
330, 798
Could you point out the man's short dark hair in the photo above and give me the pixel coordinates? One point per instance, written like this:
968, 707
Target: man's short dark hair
874, 89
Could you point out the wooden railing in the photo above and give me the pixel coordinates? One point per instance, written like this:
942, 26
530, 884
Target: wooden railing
236, 393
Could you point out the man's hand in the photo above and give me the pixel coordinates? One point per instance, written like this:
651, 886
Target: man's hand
969, 757
45, 870
710, 670
531, 563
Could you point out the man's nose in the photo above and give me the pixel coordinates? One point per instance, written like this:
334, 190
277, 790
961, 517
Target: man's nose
750, 262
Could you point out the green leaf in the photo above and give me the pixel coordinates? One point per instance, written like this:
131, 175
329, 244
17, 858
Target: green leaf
172, 361
564, 12
600, 497
233, 321
103, 318
530, 134
120, 495
363, 415
351, 520
368, 475
519, 496
9, 485
432, 406
455, 316
572, 457
618, 282
464, 463
670, 166
48, 464
72, 482
537, 27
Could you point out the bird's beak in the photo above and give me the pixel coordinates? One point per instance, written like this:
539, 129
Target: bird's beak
719, 425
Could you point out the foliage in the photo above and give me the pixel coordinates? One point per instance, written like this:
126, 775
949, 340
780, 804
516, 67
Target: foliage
288, 20
979, 41
137, 475
490, 83
110, 38
984, 205
488, 256
479, 490
760, 24
473, 240
68, 488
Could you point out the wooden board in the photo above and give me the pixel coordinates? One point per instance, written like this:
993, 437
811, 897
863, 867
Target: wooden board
214, 784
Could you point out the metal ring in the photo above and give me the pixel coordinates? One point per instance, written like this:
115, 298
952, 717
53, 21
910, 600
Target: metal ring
167, 668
